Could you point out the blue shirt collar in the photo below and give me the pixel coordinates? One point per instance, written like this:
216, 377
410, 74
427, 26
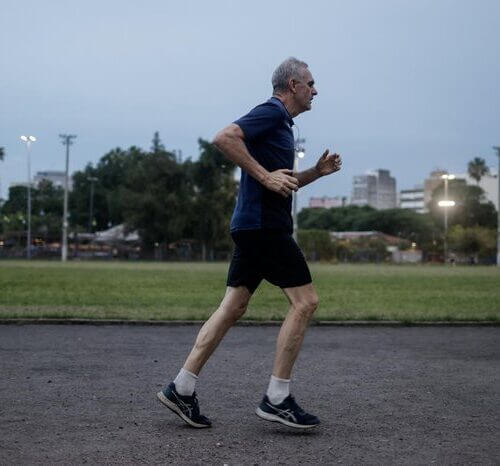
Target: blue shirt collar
289, 118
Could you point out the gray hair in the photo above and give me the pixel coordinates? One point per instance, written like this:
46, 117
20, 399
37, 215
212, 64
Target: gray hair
289, 69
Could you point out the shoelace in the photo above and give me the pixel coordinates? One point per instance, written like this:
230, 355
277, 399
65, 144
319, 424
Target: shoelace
194, 404
295, 406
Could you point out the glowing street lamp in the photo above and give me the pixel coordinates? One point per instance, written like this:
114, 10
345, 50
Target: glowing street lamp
28, 140
446, 203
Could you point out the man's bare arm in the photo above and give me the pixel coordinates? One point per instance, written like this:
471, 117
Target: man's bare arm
231, 142
326, 165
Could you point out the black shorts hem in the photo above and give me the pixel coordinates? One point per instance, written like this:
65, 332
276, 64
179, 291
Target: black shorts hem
269, 255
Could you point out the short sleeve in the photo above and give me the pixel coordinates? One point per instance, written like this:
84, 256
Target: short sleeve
260, 120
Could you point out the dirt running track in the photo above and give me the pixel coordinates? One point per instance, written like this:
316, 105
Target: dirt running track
408, 395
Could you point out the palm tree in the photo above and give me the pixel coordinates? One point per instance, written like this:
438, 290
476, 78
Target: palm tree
477, 168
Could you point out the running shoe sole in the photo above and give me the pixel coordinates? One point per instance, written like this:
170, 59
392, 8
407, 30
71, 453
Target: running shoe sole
274, 418
173, 407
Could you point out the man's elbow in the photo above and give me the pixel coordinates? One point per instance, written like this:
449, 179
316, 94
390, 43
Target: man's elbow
218, 140
227, 136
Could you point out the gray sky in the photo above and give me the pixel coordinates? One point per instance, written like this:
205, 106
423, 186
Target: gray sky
404, 85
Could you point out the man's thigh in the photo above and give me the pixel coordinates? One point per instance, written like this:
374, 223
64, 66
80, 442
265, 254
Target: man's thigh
284, 264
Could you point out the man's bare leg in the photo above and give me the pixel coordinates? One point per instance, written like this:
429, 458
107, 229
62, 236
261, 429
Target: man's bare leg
303, 301
232, 308
179, 395
277, 405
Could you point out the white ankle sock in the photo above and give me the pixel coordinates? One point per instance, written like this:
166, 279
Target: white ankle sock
185, 382
278, 390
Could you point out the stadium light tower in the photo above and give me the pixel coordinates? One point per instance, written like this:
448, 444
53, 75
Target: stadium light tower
28, 140
67, 141
497, 149
300, 153
445, 204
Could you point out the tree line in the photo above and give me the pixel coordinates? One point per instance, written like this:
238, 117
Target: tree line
472, 225
167, 200
153, 192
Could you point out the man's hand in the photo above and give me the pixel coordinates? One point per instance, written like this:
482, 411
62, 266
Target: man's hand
281, 182
328, 163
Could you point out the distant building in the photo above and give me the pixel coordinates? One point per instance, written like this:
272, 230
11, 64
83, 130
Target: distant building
54, 176
431, 183
412, 199
327, 202
488, 183
376, 188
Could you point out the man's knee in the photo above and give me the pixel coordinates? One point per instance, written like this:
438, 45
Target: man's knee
236, 306
307, 305
236, 310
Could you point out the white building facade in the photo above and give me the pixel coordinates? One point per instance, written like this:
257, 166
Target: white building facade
412, 199
376, 188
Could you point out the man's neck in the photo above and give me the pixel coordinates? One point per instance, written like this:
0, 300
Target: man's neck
287, 101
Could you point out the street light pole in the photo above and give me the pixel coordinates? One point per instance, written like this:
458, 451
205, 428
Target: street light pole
445, 204
299, 154
497, 149
67, 141
28, 140
92, 179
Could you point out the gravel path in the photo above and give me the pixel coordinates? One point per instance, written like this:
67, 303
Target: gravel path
407, 395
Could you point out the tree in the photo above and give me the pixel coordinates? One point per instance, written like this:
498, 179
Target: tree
215, 193
157, 199
475, 242
111, 173
156, 144
46, 210
477, 168
471, 207
316, 244
16, 201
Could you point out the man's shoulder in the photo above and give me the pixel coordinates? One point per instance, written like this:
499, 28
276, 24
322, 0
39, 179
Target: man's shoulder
272, 105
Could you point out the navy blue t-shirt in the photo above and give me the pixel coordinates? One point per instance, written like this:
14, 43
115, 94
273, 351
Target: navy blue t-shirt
269, 139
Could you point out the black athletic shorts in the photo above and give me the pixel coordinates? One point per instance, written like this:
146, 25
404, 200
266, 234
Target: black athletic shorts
272, 255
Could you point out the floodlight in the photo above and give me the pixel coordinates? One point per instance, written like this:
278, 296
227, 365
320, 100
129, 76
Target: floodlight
446, 203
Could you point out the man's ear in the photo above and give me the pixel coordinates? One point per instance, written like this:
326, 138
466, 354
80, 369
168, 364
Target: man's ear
292, 85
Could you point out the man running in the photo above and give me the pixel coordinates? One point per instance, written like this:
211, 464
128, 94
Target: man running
261, 143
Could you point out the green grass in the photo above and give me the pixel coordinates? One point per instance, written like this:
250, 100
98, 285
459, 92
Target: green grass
133, 290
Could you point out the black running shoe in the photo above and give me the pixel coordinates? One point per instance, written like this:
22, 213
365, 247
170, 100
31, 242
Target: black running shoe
186, 407
288, 412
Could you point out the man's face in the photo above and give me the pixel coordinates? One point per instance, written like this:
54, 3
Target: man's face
304, 91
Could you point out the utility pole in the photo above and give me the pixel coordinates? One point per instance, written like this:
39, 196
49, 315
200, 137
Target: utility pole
92, 180
67, 141
28, 140
497, 149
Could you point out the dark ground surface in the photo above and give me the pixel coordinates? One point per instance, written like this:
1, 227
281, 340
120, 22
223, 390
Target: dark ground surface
407, 395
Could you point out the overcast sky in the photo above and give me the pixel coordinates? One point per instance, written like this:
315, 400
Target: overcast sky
405, 85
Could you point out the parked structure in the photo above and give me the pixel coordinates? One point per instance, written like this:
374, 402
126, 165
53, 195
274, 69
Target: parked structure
327, 202
54, 176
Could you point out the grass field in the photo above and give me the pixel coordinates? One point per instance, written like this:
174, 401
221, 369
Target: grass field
193, 290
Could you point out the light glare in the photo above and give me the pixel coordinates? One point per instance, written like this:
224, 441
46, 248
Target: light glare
446, 203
